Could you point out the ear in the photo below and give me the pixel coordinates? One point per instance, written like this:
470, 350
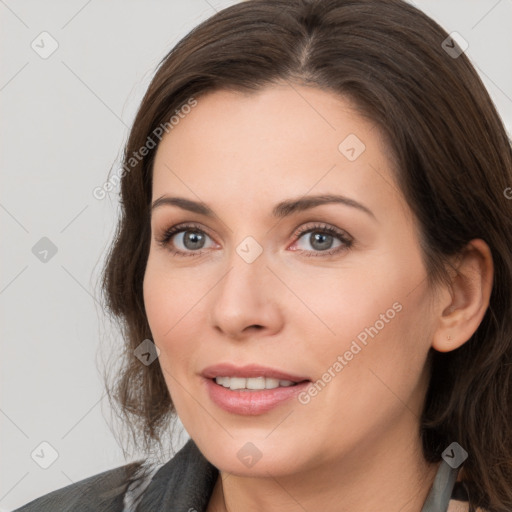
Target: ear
463, 306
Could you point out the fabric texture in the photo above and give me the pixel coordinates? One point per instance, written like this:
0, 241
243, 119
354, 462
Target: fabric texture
103, 492
139, 483
440, 494
184, 484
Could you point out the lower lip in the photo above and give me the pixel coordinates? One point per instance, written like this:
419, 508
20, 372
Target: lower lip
251, 402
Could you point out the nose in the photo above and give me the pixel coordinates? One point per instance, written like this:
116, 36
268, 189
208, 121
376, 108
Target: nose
246, 300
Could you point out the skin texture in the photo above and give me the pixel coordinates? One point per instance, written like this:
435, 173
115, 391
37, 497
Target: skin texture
358, 438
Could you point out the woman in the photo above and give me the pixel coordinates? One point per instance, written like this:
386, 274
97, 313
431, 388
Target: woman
313, 270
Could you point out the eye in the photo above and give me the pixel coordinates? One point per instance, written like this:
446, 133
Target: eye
321, 239
188, 238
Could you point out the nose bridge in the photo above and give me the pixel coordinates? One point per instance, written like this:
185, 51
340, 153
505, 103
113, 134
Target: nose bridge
246, 280
245, 296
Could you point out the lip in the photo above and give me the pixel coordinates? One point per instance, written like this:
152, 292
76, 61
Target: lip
251, 370
250, 402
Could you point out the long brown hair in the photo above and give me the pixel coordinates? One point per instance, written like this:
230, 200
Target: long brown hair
453, 165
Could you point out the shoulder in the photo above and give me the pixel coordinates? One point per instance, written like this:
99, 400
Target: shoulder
102, 492
184, 481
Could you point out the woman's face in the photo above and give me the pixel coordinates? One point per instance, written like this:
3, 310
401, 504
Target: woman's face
348, 310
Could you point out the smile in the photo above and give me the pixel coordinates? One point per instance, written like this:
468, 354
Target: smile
252, 383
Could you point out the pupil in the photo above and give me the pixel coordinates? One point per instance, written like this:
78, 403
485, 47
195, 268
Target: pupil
193, 241
319, 237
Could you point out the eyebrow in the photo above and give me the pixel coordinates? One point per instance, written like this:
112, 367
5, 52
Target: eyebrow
280, 210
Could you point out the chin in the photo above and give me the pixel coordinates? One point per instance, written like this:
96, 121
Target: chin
254, 458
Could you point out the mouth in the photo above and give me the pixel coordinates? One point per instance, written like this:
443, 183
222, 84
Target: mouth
251, 389
251, 377
254, 383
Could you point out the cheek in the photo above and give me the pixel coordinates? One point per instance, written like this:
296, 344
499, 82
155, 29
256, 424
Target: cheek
375, 325
166, 313
158, 303
168, 297
174, 301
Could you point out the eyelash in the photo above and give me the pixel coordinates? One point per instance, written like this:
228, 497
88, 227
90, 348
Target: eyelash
320, 228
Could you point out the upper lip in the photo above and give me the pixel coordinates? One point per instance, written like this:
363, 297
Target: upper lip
248, 371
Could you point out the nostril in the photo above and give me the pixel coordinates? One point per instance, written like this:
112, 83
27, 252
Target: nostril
255, 326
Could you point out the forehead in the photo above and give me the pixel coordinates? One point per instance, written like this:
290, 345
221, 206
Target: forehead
274, 116
281, 140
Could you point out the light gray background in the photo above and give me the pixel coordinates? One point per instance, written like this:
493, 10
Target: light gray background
64, 120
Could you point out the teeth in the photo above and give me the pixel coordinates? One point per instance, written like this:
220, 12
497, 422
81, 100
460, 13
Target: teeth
255, 383
252, 382
235, 383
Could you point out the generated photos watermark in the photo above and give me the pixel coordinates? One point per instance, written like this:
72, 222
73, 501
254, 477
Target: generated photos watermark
101, 192
304, 397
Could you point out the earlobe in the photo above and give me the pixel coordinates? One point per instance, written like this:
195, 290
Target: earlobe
468, 299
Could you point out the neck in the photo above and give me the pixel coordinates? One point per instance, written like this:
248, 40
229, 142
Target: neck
371, 477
